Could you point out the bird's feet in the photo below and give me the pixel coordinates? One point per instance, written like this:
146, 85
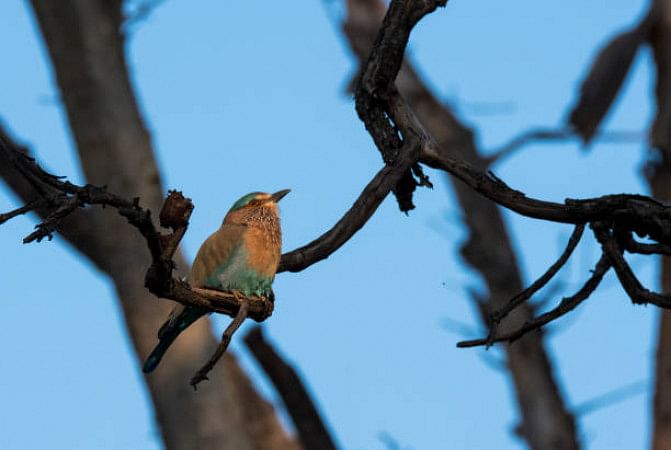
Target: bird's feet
239, 296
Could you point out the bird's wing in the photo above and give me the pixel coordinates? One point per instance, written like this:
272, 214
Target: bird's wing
217, 252
221, 251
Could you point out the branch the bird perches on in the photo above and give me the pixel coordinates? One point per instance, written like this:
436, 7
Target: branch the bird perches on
61, 198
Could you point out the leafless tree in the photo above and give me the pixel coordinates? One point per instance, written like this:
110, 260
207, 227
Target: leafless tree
410, 128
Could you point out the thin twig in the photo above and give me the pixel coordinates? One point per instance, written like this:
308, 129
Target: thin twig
51, 222
566, 305
611, 397
633, 246
389, 441
525, 138
632, 286
139, 14
240, 317
35, 204
526, 294
557, 135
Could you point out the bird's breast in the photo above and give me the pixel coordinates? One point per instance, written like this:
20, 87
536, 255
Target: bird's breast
264, 247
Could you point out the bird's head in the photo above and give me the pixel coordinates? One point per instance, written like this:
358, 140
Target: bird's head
255, 206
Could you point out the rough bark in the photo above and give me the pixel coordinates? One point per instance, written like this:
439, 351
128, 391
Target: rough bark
87, 51
659, 177
546, 424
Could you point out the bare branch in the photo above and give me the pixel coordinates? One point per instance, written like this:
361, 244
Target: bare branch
375, 89
633, 246
389, 441
604, 80
526, 294
357, 216
546, 421
174, 214
36, 204
644, 214
547, 135
72, 197
389, 119
611, 397
140, 13
311, 429
232, 327
566, 305
528, 137
632, 286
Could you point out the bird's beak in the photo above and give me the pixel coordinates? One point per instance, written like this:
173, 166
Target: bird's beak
277, 196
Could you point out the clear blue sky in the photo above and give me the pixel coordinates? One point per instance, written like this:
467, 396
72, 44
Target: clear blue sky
244, 96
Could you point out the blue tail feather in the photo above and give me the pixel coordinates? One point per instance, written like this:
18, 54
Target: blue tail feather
167, 335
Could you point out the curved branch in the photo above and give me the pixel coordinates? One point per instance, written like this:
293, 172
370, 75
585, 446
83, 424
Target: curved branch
523, 296
376, 88
565, 306
558, 135
232, 327
632, 286
545, 420
633, 246
70, 197
175, 215
355, 218
645, 215
28, 207
386, 115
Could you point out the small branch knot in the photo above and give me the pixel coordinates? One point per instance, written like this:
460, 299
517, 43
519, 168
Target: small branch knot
176, 211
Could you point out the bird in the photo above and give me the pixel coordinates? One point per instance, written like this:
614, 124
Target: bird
242, 257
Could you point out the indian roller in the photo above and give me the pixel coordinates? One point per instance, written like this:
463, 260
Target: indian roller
240, 257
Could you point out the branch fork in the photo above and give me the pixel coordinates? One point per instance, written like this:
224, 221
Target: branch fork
61, 198
615, 238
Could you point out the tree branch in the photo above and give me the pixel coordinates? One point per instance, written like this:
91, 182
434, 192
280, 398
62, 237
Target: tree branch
311, 429
546, 422
565, 306
632, 286
357, 216
501, 313
375, 89
232, 327
611, 397
545, 135
175, 214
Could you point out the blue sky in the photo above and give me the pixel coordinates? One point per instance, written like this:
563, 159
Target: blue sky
243, 96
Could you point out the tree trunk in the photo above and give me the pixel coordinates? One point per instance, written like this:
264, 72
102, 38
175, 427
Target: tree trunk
87, 51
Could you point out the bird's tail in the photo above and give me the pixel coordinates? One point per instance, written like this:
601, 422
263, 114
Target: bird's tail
168, 332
